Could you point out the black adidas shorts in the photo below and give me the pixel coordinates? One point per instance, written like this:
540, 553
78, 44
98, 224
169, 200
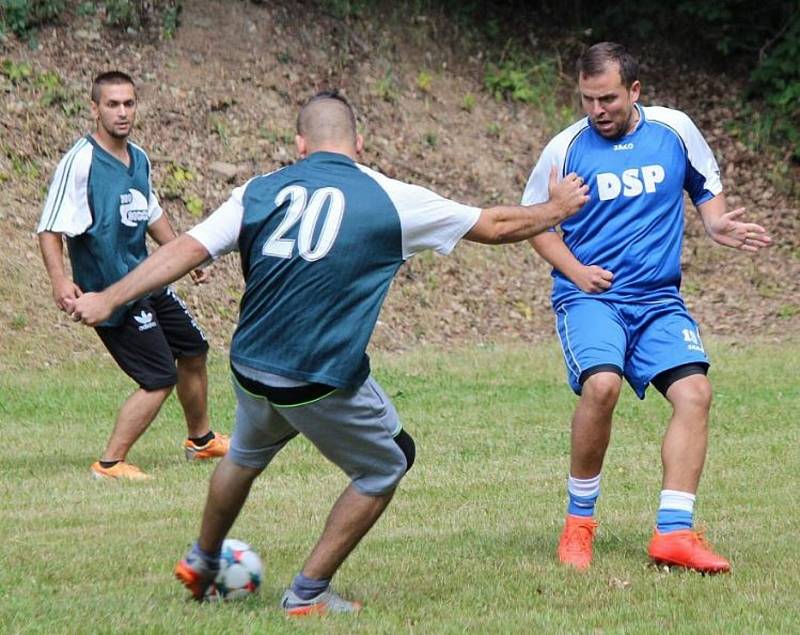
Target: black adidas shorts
157, 330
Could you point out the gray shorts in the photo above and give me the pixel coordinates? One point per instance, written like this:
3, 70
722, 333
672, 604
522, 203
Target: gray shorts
354, 429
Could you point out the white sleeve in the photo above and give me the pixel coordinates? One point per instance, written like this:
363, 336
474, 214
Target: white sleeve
703, 178
219, 233
537, 189
427, 220
701, 158
66, 210
554, 154
154, 210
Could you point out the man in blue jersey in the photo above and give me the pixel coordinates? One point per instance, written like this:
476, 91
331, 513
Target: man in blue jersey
320, 242
616, 295
102, 202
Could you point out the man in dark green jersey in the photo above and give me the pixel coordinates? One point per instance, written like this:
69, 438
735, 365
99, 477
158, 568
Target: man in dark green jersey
101, 201
320, 242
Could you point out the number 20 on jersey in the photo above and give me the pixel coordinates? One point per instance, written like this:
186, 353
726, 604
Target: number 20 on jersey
306, 211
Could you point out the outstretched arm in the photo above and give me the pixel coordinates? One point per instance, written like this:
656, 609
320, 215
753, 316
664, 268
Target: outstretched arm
165, 265
510, 224
161, 231
723, 227
588, 278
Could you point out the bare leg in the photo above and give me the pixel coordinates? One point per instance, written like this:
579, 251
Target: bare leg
351, 518
591, 424
683, 451
227, 492
136, 414
193, 394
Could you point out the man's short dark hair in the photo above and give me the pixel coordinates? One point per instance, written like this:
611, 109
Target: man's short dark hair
109, 77
595, 59
320, 96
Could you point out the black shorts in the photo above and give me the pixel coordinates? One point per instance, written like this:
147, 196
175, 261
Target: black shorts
157, 330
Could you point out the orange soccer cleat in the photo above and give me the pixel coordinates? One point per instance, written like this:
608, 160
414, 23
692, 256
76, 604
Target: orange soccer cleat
122, 470
217, 447
575, 546
196, 573
686, 548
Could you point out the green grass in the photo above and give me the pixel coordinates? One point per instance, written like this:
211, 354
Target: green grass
468, 543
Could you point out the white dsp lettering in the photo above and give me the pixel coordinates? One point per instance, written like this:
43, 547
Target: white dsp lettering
610, 186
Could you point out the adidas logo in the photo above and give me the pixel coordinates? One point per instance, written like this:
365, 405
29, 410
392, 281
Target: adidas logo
145, 320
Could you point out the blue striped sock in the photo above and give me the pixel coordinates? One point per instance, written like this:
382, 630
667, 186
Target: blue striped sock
673, 519
583, 493
675, 512
581, 505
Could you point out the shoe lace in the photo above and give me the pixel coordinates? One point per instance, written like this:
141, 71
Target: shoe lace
700, 539
581, 534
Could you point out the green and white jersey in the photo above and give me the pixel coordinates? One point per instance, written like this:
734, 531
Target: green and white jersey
104, 208
320, 242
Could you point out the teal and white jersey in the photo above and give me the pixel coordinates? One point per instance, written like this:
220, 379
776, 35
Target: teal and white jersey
320, 242
633, 223
104, 208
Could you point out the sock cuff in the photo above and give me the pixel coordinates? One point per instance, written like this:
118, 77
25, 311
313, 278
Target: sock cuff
584, 487
674, 499
206, 555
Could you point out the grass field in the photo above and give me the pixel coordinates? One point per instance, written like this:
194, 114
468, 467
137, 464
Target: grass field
467, 545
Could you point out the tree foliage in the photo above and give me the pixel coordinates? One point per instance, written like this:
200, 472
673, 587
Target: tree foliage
755, 39
23, 17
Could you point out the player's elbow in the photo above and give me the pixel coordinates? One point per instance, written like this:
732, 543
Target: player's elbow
491, 230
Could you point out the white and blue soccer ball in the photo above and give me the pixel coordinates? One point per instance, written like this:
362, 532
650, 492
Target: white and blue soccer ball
240, 572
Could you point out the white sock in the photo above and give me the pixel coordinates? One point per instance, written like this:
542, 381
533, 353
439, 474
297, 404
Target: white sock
673, 499
584, 487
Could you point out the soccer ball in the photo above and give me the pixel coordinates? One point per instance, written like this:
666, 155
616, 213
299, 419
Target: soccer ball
240, 572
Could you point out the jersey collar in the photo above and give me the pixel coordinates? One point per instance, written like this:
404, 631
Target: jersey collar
324, 156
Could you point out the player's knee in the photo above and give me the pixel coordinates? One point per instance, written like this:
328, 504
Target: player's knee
192, 363
602, 389
384, 478
692, 392
164, 387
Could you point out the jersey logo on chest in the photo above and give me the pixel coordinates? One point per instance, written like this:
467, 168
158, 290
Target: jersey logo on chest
133, 208
632, 182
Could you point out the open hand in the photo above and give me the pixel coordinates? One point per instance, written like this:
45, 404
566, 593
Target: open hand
728, 231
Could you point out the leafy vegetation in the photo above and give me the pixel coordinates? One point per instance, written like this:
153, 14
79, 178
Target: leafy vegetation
23, 17
532, 81
46, 87
174, 185
755, 39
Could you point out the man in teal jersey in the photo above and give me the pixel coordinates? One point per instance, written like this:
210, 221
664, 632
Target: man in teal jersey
320, 242
101, 200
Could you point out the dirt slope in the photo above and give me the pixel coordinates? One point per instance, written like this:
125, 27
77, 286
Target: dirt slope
226, 89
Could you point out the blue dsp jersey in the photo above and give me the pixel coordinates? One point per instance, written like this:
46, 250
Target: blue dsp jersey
104, 208
633, 223
320, 242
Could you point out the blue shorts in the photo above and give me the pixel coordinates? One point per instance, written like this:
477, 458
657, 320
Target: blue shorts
638, 340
